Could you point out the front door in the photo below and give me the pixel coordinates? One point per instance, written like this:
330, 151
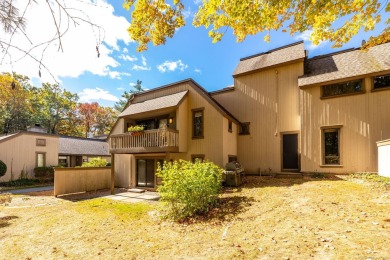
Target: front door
290, 160
145, 173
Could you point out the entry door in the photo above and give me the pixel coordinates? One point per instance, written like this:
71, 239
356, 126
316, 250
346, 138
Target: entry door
290, 152
145, 173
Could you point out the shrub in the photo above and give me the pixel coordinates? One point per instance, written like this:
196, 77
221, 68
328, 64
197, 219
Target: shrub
189, 188
44, 173
95, 162
3, 168
135, 128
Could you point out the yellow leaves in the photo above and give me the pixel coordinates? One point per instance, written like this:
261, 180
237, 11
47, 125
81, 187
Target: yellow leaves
330, 20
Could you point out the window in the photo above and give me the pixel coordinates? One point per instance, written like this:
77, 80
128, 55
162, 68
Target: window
195, 157
331, 146
382, 82
232, 158
41, 159
345, 88
244, 130
230, 126
41, 142
197, 123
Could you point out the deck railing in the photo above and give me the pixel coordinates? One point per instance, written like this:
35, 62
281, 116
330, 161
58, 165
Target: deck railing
148, 138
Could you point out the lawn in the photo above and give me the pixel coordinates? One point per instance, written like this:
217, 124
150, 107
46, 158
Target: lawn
265, 218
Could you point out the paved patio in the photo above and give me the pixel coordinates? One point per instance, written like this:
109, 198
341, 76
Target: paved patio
134, 197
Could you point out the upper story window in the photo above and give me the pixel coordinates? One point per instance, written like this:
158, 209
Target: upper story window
230, 126
244, 129
381, 82
197, 123
345, 88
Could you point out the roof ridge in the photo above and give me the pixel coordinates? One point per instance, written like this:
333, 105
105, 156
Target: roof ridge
272, 50
332, 54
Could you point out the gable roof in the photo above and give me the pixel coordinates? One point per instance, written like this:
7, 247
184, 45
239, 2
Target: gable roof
197, 88
346, 64
154, 104
283, 55
82, 146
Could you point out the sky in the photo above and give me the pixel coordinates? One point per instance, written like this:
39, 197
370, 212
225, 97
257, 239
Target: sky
189, 54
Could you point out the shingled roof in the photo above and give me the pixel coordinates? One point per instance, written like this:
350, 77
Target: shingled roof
154, 104
82, 146
346, 64
282, 55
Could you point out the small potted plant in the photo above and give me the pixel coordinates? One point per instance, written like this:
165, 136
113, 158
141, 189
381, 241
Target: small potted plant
136, 130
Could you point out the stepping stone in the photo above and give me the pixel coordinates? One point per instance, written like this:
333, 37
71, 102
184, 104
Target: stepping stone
136, 190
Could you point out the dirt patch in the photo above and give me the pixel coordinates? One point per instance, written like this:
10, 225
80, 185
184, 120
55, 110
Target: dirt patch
268, 218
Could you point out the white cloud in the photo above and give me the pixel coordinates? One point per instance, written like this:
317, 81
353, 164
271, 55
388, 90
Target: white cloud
172, 66
127, 57
132, 84
121, 89
90, 94
138, 67
117, 74
305, 36
197, 2
79, 53
187, 13
198, 71
125, 50
143, 61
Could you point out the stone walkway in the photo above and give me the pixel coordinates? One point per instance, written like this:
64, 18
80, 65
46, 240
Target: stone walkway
134, 197
28, 190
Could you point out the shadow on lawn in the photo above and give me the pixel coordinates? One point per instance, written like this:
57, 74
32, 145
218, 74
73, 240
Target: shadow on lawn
4, 221
227, 208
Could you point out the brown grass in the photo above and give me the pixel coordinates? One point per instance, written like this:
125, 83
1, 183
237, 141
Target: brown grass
265, 218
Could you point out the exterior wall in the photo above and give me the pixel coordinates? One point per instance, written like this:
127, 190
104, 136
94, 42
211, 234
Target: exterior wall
384, 158
19, 153
72, 180
124, 164
229, 141
364, 119
182, 125
269, 100
118, 127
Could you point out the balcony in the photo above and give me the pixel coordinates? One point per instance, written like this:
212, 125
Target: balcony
148, 141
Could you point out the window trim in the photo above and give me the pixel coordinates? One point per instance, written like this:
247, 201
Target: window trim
363, 91
201, 109
230, 126
373, 89
245, 123
195, 156
40, 142
36, 159
339, 130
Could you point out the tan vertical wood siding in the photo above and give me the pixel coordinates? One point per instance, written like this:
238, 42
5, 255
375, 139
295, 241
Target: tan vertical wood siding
19, 154
269, 100
229, 141
364, 119
123, 168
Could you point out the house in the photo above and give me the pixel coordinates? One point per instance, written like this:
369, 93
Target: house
285, 112
23, 151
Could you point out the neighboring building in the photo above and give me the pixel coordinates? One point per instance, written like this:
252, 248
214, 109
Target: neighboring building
23, 151
285, 112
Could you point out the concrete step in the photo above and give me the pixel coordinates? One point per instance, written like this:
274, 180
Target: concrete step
136, 190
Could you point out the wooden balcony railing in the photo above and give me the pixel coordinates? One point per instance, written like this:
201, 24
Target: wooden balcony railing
156, 140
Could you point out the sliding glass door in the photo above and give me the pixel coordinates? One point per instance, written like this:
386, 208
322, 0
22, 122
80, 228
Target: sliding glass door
145, 173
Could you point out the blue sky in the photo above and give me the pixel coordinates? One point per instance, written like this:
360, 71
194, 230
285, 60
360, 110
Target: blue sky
190, 54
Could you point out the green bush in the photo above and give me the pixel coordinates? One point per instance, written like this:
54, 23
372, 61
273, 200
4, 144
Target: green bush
3, 168
95, 162
44, 173
189, 188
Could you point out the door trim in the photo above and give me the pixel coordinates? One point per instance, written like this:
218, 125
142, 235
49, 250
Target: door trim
299, 151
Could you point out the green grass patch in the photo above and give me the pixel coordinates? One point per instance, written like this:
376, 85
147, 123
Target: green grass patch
372, 177
105, 207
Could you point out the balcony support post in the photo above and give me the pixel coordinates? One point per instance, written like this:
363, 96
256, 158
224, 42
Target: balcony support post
112, 174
